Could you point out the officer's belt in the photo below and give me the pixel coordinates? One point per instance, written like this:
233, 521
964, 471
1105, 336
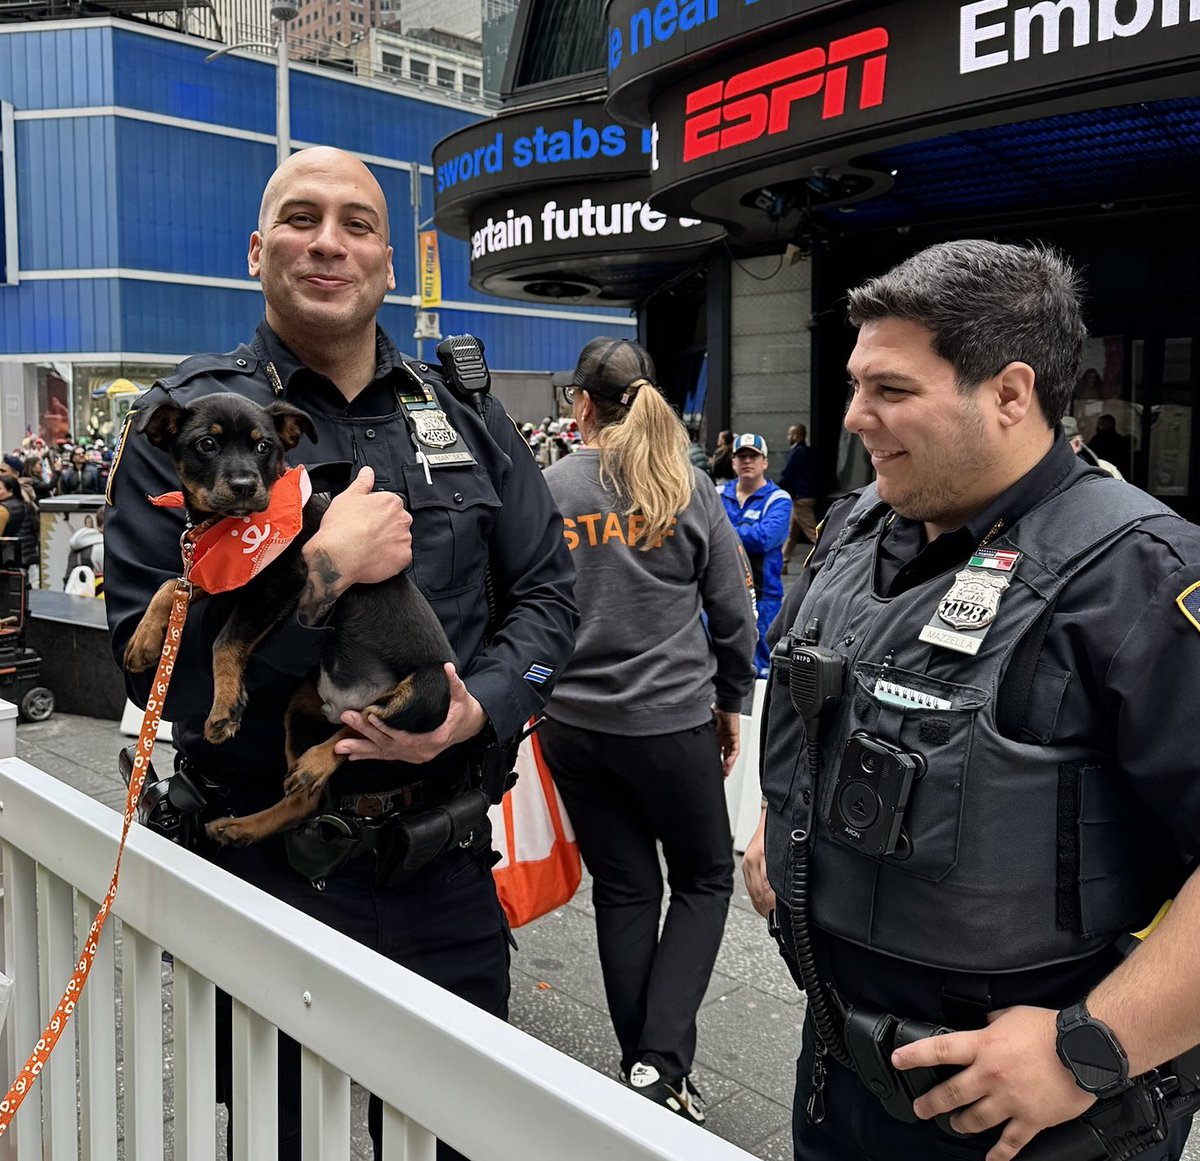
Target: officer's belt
401, 799
223, 792
442, 814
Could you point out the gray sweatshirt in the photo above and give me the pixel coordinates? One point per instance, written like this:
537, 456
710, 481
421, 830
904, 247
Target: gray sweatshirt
644, 662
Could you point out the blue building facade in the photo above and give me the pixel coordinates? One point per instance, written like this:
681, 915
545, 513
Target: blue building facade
132, 171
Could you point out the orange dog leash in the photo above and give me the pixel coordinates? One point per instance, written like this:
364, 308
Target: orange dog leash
20, 1087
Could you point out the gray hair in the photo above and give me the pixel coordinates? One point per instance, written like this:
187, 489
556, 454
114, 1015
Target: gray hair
988, 304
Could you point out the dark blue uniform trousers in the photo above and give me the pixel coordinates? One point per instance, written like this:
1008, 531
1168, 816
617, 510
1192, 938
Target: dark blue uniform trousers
444, 923
622, 794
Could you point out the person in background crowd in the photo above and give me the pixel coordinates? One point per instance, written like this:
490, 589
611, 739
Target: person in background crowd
996, 782
722, 459
644, 723
55, 463
38, 473
696, 452
19, 517
79, 476
1109, 444
799, 480
323, 256
1070, 428
761, 512
14, 465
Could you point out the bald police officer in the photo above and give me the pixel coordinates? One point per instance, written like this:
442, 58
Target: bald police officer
322, 254
1002, 778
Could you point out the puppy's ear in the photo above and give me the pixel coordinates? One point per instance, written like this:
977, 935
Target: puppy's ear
291, 423
161, 424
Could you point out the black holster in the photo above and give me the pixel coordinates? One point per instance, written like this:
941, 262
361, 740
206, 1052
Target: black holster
871, 1038
176, 806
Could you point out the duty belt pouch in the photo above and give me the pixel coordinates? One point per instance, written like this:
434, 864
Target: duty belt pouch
414, 840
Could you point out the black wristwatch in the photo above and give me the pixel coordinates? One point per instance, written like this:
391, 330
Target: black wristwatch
1094, 1055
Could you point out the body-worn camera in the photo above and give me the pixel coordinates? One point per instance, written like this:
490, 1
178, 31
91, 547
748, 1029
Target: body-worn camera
869, 797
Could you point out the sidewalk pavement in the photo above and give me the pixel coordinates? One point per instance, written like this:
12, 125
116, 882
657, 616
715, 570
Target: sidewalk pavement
749, 1025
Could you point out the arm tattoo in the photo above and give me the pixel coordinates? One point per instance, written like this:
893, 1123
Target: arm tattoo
320, 590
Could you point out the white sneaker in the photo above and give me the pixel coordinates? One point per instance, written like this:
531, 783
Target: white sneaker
680, 1097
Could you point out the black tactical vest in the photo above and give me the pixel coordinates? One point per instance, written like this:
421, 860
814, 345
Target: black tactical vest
1017, 854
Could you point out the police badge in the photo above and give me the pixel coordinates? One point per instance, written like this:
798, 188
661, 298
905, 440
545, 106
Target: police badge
970, 606
433, 428
973, 599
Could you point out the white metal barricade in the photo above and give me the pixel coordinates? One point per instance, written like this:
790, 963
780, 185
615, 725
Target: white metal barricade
442, 1067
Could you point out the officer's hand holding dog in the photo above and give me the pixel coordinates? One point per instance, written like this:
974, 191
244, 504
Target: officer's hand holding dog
464, 720
365, 537
1010, 1072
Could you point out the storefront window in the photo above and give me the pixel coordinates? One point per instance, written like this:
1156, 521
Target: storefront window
53, 407
1171, 423
1107, 408
103, 393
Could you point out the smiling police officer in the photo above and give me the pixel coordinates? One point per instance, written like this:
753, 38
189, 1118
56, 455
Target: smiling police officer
979, 771
442, 487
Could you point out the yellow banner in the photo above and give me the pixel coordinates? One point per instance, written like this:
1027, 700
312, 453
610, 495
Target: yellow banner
431, 269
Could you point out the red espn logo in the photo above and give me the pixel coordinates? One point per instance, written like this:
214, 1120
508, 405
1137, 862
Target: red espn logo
759, 101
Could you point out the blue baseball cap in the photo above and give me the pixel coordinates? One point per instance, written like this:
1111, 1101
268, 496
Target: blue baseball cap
750, 442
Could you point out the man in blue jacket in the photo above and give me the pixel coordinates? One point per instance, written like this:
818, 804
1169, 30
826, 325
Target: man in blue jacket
761, 512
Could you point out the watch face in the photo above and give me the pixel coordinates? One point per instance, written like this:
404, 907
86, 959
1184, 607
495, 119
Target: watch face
1093, 1059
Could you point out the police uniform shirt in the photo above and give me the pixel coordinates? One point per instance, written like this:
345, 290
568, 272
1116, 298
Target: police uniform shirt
497, 508
1118, 667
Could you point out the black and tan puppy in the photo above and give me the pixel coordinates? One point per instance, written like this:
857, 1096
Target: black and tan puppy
386, 654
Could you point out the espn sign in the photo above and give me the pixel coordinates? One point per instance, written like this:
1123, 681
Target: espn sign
758, 102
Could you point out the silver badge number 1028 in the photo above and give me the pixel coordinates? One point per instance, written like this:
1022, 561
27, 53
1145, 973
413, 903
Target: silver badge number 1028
967, 611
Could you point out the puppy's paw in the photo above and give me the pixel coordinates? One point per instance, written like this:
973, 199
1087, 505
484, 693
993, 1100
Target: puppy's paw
144, 649
218, 730
224, 721
309, 775
230, 832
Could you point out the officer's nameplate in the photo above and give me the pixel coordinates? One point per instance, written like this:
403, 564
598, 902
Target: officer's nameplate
438, 459
959, 642
430, 428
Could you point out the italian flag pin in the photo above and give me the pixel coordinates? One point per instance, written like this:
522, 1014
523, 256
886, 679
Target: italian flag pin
1000, 559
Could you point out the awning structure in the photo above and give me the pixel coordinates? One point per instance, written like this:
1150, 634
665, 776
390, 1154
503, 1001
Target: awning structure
770, 116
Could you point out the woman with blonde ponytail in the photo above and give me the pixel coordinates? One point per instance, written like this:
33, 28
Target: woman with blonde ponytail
642, 726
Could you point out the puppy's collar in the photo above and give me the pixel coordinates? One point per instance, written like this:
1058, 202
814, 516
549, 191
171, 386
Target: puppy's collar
237, 548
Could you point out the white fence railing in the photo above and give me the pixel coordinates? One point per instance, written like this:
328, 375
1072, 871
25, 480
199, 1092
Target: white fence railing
440, 1066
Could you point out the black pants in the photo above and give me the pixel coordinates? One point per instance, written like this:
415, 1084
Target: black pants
857, 1128
623, 796
444, 923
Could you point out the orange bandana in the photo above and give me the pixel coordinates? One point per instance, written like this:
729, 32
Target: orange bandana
237, 548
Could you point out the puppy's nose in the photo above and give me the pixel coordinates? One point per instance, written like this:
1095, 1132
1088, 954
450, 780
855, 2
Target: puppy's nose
243, 486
